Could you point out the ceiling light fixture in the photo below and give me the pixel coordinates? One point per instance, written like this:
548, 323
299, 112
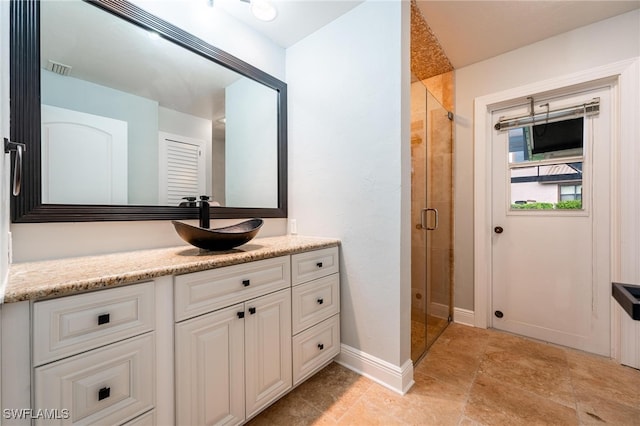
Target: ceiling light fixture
264, 10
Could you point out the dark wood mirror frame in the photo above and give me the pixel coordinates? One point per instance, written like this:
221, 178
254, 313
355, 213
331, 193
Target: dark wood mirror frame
25, 125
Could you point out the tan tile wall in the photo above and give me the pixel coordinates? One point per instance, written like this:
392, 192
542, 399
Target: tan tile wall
428, 59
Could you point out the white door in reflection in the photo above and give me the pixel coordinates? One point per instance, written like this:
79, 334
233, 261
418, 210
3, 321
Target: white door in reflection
182, 168
84, 158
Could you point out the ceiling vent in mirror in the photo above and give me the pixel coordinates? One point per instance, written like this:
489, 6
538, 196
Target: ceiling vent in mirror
59, 68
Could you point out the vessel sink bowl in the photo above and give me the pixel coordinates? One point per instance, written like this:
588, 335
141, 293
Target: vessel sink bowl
224, 238
628, 296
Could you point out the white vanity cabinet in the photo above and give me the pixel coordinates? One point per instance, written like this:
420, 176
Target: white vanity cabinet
94, 356
233, 361
315, 311
216, 346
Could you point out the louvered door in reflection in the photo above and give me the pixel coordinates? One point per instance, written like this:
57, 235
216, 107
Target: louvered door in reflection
182, 168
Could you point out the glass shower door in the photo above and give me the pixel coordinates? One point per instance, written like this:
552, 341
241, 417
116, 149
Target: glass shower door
432, 212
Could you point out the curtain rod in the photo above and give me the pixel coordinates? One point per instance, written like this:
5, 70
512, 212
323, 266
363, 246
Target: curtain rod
586, 109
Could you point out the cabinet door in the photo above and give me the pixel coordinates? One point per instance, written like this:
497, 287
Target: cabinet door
267, 349
210, 369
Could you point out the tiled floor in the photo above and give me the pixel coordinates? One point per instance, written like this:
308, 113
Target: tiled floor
473, 377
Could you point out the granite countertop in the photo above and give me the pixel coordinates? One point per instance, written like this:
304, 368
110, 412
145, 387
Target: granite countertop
53, 278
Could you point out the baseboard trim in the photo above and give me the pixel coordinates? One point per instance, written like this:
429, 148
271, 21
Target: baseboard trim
439, 310
397, 379
464, 316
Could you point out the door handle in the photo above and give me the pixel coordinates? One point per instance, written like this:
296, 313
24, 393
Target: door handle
423, 225
498, 229
436, 222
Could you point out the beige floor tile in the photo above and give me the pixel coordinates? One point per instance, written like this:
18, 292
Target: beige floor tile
429, 402
455, 368
600, 411
366, 413
531, 366
292, 411
462, 339
492, 402
334, 390
473, 377
534, 348
598, 377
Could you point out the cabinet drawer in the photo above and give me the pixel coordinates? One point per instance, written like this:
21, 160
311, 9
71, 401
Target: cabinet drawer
147, 419
314, 347
315, 301
201, 292
314, 264
109, 385
69, 325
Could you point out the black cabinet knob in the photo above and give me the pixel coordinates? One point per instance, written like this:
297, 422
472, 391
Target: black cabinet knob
252, 310
320, 346
320, 301
498, 229
319, 264
104, 393
103, 319
246, 283
241, 314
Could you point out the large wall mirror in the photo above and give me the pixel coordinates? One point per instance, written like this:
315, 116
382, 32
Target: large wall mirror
125, 115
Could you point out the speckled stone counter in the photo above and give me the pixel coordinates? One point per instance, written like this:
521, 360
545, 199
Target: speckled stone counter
53, 278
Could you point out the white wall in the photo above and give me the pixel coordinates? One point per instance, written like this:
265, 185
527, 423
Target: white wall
77, 239
588, 47
349, 165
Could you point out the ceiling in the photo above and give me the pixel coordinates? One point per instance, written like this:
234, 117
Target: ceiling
469, 31
296, 18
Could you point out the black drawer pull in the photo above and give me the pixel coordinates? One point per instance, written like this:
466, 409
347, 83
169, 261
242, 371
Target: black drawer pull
104, 393
246, 283
320, 346
320, 301
252, 311
241, 314
103, 319
319, 264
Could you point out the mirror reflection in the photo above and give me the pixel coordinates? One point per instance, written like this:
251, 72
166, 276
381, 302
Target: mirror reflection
129, 118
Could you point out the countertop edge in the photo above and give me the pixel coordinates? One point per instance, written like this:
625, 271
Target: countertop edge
48, 279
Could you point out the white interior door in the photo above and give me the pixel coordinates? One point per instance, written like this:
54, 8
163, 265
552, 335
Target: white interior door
551, 266
182, 168
84, 158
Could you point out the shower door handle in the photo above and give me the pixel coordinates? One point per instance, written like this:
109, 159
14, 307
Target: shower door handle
436, 220
422, 225
423, 220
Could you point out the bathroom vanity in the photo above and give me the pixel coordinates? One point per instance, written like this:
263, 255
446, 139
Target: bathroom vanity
168, 336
